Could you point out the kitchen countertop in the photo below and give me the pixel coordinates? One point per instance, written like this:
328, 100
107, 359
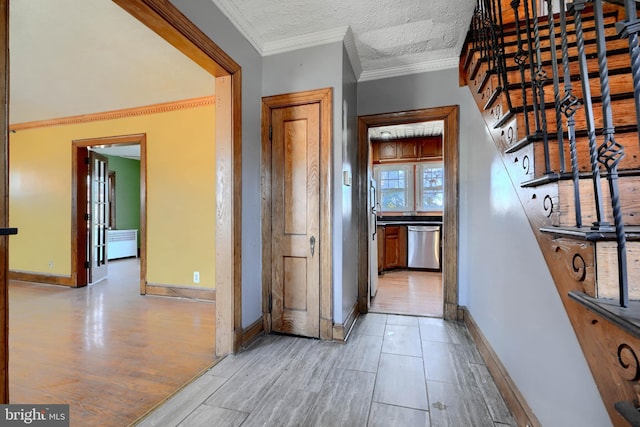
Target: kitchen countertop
400, 222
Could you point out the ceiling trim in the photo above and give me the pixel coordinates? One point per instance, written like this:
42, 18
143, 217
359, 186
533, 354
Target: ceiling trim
352, 52
117, 114
246, 29
435, 65
304, 41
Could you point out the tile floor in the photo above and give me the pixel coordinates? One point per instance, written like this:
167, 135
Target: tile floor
393, 371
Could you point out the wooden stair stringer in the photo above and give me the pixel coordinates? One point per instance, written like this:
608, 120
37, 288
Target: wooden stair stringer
600, 339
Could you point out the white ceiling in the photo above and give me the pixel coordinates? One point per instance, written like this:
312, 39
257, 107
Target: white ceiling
73, 57
383, 37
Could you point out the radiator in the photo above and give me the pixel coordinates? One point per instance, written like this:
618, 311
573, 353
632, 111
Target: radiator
122, 243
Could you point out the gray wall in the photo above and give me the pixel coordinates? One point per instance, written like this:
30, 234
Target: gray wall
503, 279
314, 68
510, 293
209, 19
350, 222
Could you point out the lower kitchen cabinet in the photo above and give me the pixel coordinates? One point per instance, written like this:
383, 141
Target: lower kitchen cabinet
392, 247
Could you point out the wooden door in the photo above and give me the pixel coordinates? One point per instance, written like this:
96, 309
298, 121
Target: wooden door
295, 250
99, 216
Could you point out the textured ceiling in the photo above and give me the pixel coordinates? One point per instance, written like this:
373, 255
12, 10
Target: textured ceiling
383, 37
72, 57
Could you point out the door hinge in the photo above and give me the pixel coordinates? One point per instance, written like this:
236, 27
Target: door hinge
87, 264
270, 303
270, 133
87, 217
87, 160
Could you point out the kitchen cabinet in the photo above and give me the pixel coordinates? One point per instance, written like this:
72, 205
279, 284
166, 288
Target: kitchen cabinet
385, 151
407, 150
380, 238
430, 147
392, 247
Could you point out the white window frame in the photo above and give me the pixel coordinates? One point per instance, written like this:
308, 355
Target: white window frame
437, 187
408, 190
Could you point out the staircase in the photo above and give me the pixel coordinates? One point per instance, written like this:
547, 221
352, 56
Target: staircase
558, 95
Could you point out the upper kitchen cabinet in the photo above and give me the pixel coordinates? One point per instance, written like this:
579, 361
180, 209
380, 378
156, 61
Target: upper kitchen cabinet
408, 150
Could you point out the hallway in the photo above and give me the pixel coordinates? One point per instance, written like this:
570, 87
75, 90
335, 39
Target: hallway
393, 371
106, 350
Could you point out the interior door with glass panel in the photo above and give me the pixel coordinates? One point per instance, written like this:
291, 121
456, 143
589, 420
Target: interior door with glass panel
98, 216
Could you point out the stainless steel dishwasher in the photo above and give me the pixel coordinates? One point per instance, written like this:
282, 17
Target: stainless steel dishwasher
424, 246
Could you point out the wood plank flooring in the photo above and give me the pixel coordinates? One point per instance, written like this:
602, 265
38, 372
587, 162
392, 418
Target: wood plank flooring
393, 371
412, 292
109, 352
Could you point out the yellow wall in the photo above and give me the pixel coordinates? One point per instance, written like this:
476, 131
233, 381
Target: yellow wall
180, 194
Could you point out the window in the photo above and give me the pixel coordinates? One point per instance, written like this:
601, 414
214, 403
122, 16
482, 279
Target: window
395, 187
430, 186
415, 187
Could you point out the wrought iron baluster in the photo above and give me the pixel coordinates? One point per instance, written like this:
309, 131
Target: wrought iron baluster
520, 59
534, 87
556, 86
502, 58
540, 80
576, 7
610, 153
629, 28
569, 105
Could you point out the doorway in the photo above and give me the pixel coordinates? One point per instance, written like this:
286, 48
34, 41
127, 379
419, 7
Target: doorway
296, 214
407, 176
449, 115
164, 19
89, 236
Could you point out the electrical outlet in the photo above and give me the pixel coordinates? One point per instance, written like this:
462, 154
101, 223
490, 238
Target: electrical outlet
196, 277
51, 265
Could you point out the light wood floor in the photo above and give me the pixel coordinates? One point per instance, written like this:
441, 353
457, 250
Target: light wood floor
109, 352
412, 292
393, 371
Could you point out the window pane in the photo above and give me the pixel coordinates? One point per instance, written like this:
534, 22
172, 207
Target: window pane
393, 183
432, 187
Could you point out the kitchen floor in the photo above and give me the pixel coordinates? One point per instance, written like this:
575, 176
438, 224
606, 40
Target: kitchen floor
392, 371
411, 292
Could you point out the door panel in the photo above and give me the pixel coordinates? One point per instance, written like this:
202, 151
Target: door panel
99, 215
296, 220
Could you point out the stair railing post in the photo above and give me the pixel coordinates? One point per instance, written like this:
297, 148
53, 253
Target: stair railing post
502, 61
576, 7
520, 59
610, 153
540, 81
556, 86
629, 28
569, 105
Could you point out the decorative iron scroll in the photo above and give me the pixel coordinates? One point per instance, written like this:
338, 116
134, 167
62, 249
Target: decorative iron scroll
547, 204
526, 164
581, 268
635, 369
510, 135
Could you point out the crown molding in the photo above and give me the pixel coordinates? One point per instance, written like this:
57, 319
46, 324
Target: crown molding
304, 41
352, 52
164, 107
402, 70
246, 29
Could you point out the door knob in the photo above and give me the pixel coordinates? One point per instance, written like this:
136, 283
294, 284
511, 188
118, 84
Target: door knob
312, 243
